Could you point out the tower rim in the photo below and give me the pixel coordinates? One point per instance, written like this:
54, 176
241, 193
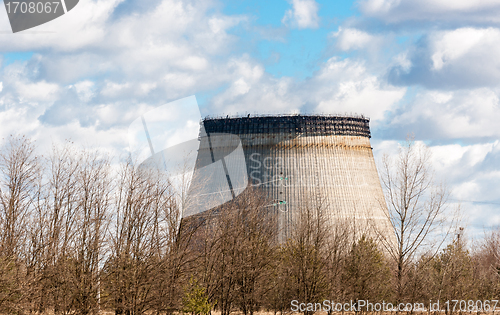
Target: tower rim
296, 124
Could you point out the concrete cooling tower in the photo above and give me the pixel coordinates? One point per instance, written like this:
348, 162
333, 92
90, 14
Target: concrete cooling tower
294, 160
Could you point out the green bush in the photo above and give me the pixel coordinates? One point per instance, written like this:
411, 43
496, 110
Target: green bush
195, 301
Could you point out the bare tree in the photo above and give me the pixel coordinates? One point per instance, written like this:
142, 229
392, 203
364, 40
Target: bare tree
237, 245
341, 237
307, 253
256, 251
280, 283
77, 238
136, 239
453, 272
178, 257
487, 261
51, 237
366, 274
20, 171
92, 206
416, 206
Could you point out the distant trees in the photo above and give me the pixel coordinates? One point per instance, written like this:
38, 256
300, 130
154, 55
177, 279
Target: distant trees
49, 262
366, 273
135, 243
238, 250
453, 273
457, 273
488, 265
306, 254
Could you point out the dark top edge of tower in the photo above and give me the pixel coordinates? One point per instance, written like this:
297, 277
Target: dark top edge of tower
292, 124
254, 116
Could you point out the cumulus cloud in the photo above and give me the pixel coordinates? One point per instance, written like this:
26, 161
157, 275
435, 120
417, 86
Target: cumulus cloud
343, 86
398, 11
145, 59
338, 87
450, 47
461, 58
169, 51
98, 68
303, 14
354, 39
439, 115
83, 28
84, 90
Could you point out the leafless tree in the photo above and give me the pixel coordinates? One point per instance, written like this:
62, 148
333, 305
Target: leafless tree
487, 261
51, 237
237, 245
137, 238
306, 253
342, 236
77, 238
279, 284
19, 178
416, 206
19, 170
256, 251
366, 274
177, 254
92, 206
453, 272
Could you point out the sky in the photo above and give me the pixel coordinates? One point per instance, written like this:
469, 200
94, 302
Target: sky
431, 68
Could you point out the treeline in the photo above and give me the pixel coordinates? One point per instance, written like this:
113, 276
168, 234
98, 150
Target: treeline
79, 236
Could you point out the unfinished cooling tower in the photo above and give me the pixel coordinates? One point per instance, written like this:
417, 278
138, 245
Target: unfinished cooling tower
294, 160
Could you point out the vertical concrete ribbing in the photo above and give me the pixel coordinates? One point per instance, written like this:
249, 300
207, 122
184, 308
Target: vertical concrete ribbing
336, 168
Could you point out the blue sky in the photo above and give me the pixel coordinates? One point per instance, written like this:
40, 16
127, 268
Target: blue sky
299, 52
422, 66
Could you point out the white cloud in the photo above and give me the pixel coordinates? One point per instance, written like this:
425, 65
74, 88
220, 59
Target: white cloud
338, 87
453, 158
98, 70
155, 57
471, 44
112, 89
346, 86
173, 37
39, 91
396, 11
353, 39
85, 90
81, 28
472, 175
304, 14
403, 62
451, 115
460, 58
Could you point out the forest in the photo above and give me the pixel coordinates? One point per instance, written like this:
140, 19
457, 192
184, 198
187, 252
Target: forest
80, 234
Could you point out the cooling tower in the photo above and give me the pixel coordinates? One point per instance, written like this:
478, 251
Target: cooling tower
297, 159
